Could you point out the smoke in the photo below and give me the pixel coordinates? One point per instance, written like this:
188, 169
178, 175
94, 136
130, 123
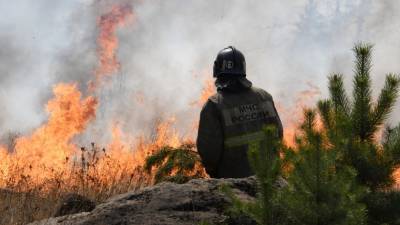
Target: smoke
18, 87
168, 51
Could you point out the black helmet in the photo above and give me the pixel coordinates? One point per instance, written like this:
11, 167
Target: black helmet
231, 62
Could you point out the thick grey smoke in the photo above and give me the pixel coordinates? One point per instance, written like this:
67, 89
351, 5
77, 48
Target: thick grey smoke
20, 93
168, 51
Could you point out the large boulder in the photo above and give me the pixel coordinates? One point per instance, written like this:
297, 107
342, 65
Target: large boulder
199, 201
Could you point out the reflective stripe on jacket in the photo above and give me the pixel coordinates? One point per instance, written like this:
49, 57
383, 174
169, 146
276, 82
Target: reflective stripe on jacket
229, 121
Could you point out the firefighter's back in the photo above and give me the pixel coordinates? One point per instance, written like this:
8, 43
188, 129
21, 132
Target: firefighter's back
243, 115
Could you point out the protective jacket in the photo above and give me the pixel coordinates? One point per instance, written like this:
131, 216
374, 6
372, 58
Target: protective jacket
229, 121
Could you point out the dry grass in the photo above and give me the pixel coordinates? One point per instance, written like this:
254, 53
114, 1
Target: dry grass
95, 174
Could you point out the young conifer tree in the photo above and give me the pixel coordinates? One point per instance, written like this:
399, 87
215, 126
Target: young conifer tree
319, 191
177, 165
352, 124
263, 157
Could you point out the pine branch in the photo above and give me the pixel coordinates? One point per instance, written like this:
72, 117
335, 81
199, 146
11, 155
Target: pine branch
361, 114
164, 170
362, 52
325, 111
386, 100
308, 126
338, 95
391, 144
157, 159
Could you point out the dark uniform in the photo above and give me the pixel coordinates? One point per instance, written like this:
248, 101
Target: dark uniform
229, 121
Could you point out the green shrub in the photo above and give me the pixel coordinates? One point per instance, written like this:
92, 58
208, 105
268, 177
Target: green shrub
177, 165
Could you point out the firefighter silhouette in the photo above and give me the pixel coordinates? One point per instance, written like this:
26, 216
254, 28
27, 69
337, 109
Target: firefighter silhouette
233, 118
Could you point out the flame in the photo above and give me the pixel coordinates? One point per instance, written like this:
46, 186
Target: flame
396, 176
165, 135
51, 144
114, 164
207, 91
126, 155
107, 42
45, 152
292, 116
50, 155
4, 163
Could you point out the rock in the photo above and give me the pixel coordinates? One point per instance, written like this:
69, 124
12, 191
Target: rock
167, 203
74, 203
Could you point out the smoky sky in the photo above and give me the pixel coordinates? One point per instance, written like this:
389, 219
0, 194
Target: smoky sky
169, 48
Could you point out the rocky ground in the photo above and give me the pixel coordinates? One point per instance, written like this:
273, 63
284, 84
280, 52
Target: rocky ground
199, 202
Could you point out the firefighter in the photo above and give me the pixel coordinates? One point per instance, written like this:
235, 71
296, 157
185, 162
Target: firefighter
233, 118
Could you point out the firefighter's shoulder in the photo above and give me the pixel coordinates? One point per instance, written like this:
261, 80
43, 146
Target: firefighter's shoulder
211, 102
262, 92
216, 98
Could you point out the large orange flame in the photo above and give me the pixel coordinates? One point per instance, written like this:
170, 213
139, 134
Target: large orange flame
50, 146
107, 42
49, 153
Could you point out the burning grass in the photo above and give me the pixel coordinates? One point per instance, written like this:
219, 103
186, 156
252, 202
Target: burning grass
94, 172
46, 165
36, 170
